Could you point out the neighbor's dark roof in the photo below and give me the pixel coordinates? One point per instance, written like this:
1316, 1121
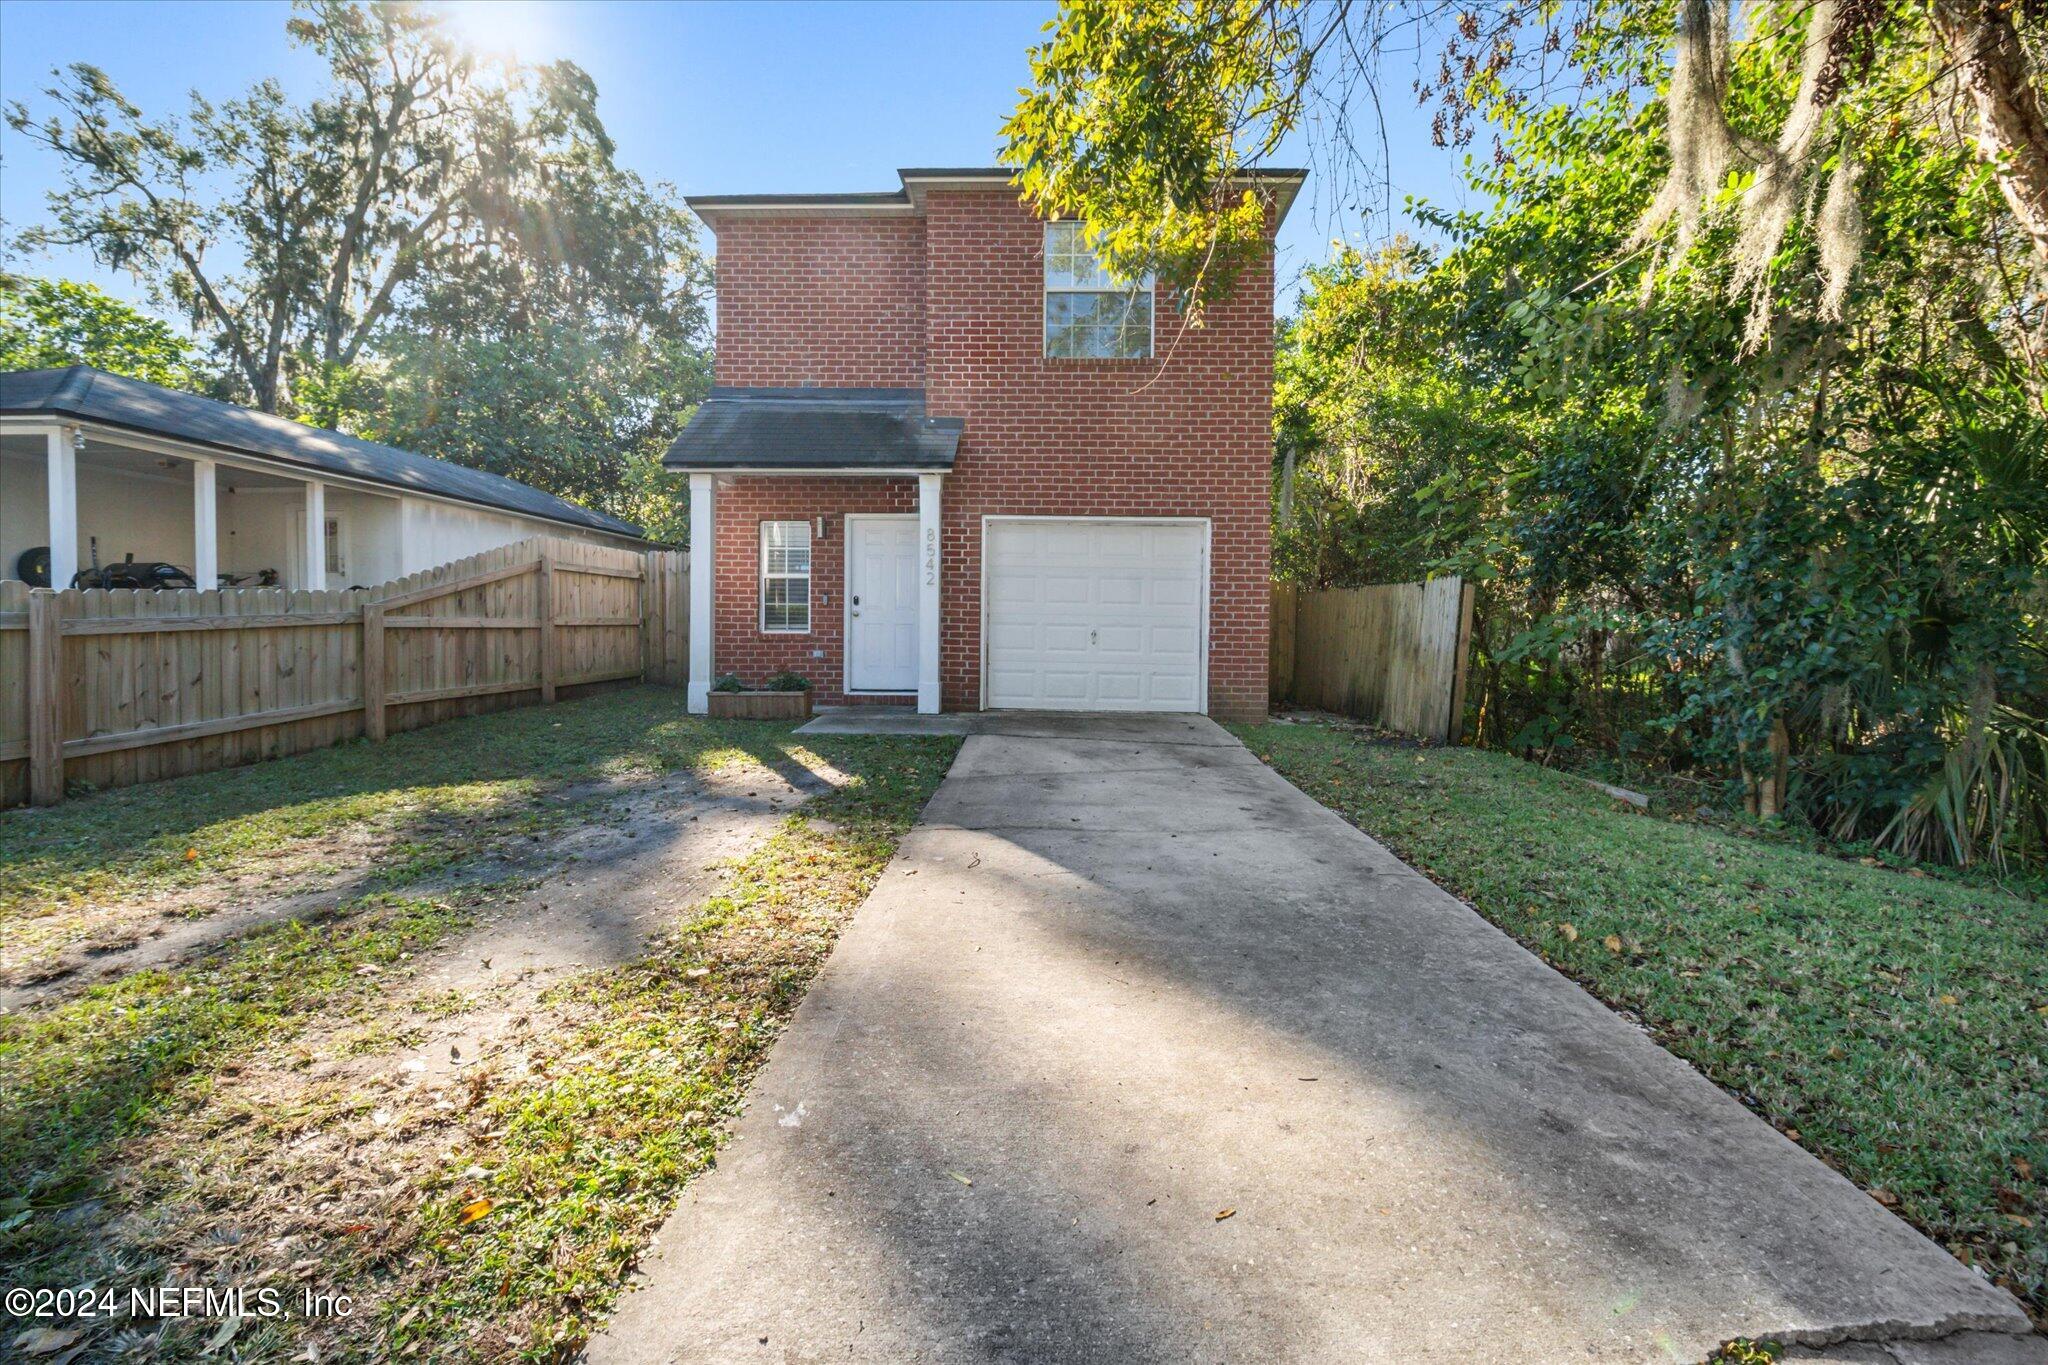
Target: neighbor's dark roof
815, 429
96, 396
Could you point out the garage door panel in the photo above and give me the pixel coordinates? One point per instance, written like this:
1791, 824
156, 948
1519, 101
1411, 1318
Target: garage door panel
1122, 590
1120, 639
1094, 615
1059, 686
1068, 590
1063, 639
1006, 589
1112, 686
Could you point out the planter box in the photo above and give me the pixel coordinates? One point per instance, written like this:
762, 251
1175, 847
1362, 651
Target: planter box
760, 705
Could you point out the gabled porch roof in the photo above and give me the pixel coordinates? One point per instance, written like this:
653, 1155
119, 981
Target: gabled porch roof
856, 431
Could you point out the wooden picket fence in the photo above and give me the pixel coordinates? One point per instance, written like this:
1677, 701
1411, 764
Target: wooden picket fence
113, 688
1394, 654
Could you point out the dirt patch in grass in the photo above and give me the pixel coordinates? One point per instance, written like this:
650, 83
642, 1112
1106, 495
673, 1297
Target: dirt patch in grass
1896, 1026
121, 868
464, 1109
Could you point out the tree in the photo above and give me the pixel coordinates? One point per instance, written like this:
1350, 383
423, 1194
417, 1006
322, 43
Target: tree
290, 234
47, 324
1141, 115
582, 415
432, 253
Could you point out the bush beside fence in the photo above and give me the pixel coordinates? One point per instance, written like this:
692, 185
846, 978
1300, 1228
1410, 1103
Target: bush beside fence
109, 688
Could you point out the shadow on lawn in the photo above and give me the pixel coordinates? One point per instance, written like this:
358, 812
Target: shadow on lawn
81, 1076
464, 771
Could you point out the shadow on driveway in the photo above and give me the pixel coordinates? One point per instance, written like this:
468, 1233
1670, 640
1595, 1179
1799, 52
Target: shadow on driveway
1136, 1053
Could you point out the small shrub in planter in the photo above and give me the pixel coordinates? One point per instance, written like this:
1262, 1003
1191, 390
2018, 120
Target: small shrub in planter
787, 696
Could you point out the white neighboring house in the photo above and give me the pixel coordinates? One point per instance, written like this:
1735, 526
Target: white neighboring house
99, 468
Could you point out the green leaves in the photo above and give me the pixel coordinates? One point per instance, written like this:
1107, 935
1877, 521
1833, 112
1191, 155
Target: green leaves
48, 324
1139, 122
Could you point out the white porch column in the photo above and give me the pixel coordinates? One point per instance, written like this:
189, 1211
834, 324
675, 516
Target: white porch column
315, 573
205, 526
61, 479
703, 500
929, 553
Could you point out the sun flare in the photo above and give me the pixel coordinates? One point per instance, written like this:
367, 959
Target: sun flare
521, 30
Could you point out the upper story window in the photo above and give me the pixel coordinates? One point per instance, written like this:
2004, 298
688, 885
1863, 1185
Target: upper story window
785, 577
1087, 315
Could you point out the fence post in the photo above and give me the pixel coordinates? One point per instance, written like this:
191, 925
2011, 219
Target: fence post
45, 698
1280, 643
1461, 664
650, 564
544, 593
373, 671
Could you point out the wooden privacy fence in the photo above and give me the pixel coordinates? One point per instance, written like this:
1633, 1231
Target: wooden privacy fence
113, 688
1393, 654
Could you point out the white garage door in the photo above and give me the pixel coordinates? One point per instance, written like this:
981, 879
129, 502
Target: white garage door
1089, 615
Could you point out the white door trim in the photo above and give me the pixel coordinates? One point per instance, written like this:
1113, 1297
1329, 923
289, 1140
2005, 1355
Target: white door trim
846, 607
1208, 535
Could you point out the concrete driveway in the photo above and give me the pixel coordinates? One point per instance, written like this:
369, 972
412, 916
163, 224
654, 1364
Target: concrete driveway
1138, 1054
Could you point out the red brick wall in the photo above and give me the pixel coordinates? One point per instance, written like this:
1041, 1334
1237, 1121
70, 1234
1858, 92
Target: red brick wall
827, 301
1190, 436
837, 302
738, 644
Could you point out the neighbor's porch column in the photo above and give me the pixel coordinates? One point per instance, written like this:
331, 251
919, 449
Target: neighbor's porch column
61, 479
702, 502
928, 556
205, 526
315, 574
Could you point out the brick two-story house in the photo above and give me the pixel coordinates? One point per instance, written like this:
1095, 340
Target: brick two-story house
948, 462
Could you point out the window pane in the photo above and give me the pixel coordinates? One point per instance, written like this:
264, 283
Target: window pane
1099, 326
785, 575
786, 604
1069, 264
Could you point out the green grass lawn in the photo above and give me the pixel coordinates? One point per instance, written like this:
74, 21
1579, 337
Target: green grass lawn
1895, 1024
175, 1125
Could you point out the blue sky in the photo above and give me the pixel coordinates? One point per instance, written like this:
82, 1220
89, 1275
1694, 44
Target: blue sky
713, 98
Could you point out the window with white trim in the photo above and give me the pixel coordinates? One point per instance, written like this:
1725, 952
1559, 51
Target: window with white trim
786, 577
1088, 315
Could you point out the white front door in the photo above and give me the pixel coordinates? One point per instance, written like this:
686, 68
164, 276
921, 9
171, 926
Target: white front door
1094, 614
881, 604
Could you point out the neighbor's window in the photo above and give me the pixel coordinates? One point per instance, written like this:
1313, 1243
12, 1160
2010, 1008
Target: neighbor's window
786, 576
1087, 317
336, 561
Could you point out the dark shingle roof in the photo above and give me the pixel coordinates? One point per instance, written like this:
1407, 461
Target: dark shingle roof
815, 429
1286, 179
96, 396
